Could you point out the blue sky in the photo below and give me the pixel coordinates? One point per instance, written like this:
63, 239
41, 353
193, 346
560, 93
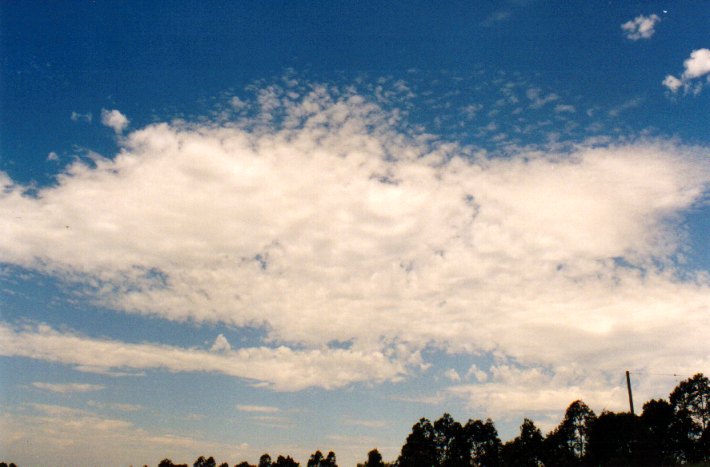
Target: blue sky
248, 227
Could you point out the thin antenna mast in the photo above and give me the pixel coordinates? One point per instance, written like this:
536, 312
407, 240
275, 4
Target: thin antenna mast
628, 386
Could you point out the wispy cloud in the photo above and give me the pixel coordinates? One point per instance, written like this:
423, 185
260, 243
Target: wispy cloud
368, 423
257, 408
122, 407
565, 108
67, 388
280, 368
496, 17
629, 104
81, 117
537, 100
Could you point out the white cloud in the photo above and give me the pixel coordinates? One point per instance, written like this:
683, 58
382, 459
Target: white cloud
629, 104
79, 117
565, 108
67, 388
336, 224
257, 408
672, 83
237, 103
122, 407
697, 65
452, 375
280, 368
368, 423
641, 27
480, 375
537, 100
52, 156
114, 119
221, 344
694, 67
471, 110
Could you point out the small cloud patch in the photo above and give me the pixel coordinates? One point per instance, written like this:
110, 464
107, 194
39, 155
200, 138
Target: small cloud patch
114, 119
641, 27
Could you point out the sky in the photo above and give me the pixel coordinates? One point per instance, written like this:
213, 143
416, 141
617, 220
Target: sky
231, 228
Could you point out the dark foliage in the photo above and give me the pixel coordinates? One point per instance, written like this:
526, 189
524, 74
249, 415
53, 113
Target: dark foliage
568, 444
265, 460
526, 449
374, 459
202, 462
287, 461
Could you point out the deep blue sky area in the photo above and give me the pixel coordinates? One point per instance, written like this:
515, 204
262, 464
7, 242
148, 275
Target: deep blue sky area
231, 228
64, 57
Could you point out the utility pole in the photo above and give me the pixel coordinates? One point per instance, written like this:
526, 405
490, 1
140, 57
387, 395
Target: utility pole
628, 386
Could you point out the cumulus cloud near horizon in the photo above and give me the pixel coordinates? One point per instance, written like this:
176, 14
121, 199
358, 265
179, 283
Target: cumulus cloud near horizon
322, 220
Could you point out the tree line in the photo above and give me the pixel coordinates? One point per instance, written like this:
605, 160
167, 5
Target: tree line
668, 432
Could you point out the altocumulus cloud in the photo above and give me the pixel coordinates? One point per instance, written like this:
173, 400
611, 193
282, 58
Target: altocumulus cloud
322, 218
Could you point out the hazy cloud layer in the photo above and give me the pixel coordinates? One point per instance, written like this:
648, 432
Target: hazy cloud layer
73, 436
322, 219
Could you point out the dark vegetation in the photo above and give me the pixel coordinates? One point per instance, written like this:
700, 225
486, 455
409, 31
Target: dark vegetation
668, 432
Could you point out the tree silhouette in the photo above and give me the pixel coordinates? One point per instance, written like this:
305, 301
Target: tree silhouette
526, 449
656, 421
374, 459
691, 409
612, 439
265, 460
315, 460
202, 462
330, 460
287, 461
420, 448
452, 447
484, 444
567, 444
168, 463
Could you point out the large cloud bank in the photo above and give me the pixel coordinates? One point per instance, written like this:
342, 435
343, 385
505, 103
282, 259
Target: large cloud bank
320, 220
